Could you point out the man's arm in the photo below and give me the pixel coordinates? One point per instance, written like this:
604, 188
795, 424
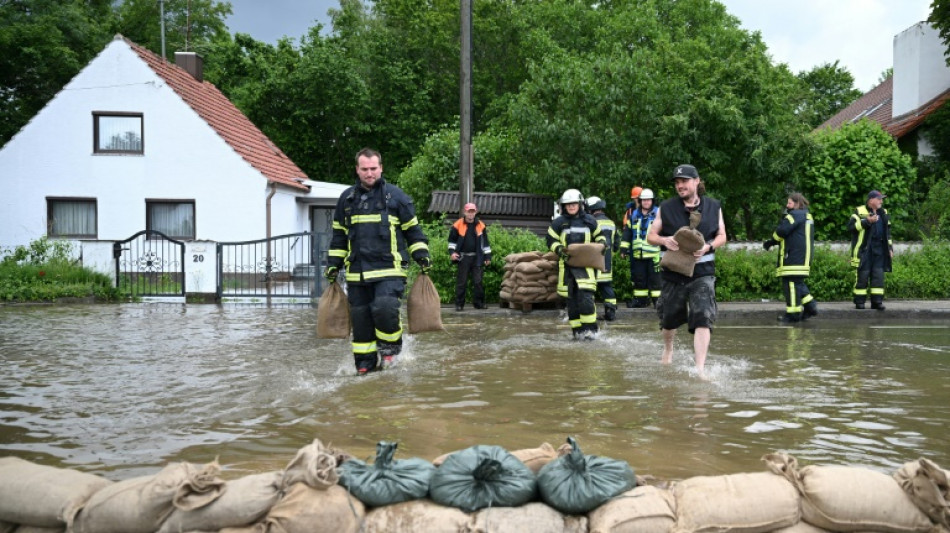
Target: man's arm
654, 238
718, 240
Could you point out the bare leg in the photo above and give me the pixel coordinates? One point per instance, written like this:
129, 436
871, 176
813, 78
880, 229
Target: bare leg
668, 335
701, 347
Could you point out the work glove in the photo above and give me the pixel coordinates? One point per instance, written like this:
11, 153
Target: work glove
330, 273
769, 243
425, 263
561, 252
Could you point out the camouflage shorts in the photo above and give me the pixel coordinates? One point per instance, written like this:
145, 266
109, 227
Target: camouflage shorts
692, 303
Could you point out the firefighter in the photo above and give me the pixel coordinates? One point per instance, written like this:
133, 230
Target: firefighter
871, 250
632, 205
644, 257
471, 253
375, 232
795, 235
605, 278
577, 284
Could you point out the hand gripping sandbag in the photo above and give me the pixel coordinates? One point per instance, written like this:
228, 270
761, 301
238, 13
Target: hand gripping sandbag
424, 306
576, 483
683, 261
333, 313
586, 255
482, 476
386, 482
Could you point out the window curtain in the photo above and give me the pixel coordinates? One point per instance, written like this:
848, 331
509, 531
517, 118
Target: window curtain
174, 220
73, 218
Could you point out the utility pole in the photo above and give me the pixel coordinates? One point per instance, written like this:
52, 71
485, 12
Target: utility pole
161, 16
466, 159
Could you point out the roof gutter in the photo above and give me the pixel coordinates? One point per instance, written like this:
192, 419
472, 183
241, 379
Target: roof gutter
267, 277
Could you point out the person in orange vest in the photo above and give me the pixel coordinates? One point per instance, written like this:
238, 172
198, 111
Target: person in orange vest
471, 253
632, 205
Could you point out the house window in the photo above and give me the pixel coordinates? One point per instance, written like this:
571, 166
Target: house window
71, 217
117, 133
174, 218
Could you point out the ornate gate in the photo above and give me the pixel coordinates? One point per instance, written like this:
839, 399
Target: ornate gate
150, 264
285, 269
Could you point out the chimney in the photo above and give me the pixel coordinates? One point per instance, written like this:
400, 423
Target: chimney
192, 63
920, 72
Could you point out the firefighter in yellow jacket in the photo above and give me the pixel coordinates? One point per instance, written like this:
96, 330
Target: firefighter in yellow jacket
605, 277
871, 250
796, 236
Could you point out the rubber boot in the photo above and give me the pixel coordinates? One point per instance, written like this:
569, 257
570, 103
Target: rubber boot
811, 309
610, 312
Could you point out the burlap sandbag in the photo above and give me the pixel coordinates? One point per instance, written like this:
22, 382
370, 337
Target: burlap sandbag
423, 306
333, 313
928, 487
586, 255
416, 515
244, 501
644, 509
528, 267
43, 496
749, 503
534, 517
140, 505
802, 527
682, 260
307, 510
314, 465
523, 256
37, 529
535, 458
844, 498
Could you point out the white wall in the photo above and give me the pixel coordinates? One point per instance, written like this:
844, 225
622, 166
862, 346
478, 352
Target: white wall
920, 72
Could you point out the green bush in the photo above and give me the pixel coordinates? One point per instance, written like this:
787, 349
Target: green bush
45, 271
923, 274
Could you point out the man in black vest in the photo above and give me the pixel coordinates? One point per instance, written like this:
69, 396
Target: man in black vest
689, 300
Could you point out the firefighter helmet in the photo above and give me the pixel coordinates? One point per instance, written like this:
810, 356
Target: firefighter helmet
571, 196
595, 203
647, 194
635, 192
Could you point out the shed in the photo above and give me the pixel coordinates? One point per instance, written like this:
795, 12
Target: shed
532, 212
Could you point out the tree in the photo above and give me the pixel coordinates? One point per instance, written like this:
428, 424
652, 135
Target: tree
850, 162
43, 44
829, 88
188, 23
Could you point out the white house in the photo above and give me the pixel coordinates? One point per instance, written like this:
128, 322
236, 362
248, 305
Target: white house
134, 142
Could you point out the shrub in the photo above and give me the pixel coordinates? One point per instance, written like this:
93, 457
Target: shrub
45, 271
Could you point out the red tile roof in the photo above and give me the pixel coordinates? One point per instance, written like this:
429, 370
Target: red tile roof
227, 120
876, 106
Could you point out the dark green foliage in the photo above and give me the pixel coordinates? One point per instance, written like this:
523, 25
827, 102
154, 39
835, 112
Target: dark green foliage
923, 274
45, 271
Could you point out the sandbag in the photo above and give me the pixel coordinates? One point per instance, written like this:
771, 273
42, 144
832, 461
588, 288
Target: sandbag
586, 255
43, 496
576, 483
802, 527
243, 502
333, 313
482, 476
534, 517
528, 267
423, 306
37, 529
645, 509
928, 486
682, 260
387, 481
749, 503
315, 465
416, 515
140, 505
307, 510
523, 256
844, 498
536, 458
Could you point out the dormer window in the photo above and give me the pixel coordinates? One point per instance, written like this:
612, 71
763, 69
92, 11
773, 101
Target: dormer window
117, 133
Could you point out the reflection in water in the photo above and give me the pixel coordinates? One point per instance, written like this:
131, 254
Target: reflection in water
122, 389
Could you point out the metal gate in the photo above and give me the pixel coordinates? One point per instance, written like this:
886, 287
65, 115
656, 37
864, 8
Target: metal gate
286, 269
150, 265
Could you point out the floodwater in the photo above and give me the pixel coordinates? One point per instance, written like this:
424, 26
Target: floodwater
120, 390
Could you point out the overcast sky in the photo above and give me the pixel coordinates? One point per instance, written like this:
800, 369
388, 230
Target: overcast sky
800, 33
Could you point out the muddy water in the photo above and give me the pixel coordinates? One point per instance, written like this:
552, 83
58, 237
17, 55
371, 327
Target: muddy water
122, 389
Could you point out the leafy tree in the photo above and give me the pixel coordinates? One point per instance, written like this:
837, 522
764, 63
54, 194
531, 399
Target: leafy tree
43, 44
188, 23
830, 88
850, 162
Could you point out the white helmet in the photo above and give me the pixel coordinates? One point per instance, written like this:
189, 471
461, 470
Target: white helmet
646, 194
571, 196
594, 203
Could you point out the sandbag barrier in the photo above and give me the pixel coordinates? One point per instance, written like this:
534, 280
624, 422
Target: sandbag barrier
307, 497
530, 280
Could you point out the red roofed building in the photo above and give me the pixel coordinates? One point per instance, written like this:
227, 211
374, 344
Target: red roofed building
134, 142
919, 86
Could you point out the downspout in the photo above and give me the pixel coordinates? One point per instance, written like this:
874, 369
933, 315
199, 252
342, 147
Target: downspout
267, 269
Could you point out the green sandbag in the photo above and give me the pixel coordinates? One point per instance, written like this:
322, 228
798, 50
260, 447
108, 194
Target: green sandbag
576, 483
387, 481
482, 476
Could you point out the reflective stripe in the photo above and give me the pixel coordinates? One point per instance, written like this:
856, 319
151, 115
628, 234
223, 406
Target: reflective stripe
589, 319
410, 223
337, 225
373, 274
575, 323
389, 337
418, 246
337, 253
364, 347
366, 219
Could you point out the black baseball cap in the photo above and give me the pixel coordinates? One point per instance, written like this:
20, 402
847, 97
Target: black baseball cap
685, 171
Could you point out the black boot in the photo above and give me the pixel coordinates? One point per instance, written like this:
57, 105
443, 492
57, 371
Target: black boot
811, 309
879, 305
610, 313
790, 318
